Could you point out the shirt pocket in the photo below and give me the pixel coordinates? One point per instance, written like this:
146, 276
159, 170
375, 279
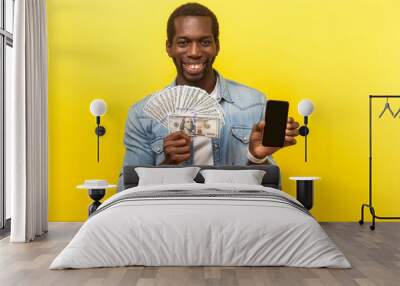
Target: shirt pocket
241, 133
157, 146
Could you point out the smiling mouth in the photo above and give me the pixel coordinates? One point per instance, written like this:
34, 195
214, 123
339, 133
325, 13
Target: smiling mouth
194, 68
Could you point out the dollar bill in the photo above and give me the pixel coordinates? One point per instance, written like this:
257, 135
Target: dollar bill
194, 125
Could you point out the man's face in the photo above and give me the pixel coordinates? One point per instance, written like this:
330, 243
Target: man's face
193, 48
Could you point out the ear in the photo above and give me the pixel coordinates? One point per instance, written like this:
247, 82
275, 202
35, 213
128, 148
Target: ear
168, 45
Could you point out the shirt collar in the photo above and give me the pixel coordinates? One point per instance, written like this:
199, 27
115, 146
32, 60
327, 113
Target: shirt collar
223, 90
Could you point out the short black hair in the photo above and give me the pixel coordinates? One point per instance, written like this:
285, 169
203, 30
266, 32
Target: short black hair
192, 9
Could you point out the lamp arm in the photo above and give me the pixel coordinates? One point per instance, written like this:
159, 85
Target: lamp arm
98, 137
305, 148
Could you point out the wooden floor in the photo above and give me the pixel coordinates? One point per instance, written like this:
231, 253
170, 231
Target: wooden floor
375, 257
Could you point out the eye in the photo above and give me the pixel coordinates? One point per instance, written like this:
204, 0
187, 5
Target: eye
182, 43
206, 43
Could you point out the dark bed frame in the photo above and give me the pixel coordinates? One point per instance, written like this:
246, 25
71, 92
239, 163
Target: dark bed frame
270, 179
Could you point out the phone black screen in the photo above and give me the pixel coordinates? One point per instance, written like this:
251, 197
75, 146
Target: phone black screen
276, 115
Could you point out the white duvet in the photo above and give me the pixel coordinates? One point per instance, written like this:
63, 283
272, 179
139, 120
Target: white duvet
188, 231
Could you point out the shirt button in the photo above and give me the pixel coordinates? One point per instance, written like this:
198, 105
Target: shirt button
158, 149
216, 146
245, 138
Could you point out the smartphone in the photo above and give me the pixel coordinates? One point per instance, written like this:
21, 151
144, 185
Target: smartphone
276, 115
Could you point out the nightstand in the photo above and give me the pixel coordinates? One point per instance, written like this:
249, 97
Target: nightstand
305, 190
97, 190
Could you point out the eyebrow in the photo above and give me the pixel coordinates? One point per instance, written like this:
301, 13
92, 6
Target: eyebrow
186, 38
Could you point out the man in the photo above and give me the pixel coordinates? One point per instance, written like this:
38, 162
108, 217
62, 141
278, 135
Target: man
193, 45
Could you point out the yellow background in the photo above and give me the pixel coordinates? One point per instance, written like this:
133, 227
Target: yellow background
335, 53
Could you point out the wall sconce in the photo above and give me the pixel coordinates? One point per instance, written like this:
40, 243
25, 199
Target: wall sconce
305, 108
98, 108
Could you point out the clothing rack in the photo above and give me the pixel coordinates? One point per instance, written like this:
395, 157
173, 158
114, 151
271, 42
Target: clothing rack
370, 206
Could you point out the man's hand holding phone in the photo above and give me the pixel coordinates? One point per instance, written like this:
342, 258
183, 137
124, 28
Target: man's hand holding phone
258, 150
177, 148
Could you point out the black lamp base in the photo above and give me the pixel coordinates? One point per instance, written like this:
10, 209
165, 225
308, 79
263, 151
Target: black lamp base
303, 130
100, 130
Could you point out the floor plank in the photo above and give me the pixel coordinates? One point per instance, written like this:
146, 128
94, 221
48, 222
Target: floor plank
375, 257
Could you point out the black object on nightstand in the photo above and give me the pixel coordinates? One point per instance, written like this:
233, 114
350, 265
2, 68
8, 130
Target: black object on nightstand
305, 190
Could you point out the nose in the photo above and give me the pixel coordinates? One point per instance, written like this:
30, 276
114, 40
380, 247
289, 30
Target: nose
194, 50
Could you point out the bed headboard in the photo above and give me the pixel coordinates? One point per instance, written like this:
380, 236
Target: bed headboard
270, 179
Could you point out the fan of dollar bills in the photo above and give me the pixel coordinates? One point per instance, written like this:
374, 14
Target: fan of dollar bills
186, 108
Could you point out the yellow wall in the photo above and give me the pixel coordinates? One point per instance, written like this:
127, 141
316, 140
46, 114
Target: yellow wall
333, 52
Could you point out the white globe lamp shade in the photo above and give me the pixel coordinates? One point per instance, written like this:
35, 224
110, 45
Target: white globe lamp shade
98, 107
305, 107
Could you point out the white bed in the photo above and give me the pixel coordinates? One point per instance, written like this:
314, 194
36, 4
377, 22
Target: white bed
222, 225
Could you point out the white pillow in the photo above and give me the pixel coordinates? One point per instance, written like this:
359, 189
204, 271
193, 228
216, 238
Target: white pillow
248, 177
166, 176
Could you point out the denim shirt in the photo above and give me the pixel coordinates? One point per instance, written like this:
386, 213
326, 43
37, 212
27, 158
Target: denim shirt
243, 107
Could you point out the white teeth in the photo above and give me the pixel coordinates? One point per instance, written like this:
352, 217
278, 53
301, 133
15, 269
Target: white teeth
193, 67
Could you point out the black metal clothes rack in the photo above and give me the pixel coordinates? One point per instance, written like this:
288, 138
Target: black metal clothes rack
370, 206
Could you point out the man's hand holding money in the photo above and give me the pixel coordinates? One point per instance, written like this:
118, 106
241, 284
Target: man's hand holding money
176, 148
